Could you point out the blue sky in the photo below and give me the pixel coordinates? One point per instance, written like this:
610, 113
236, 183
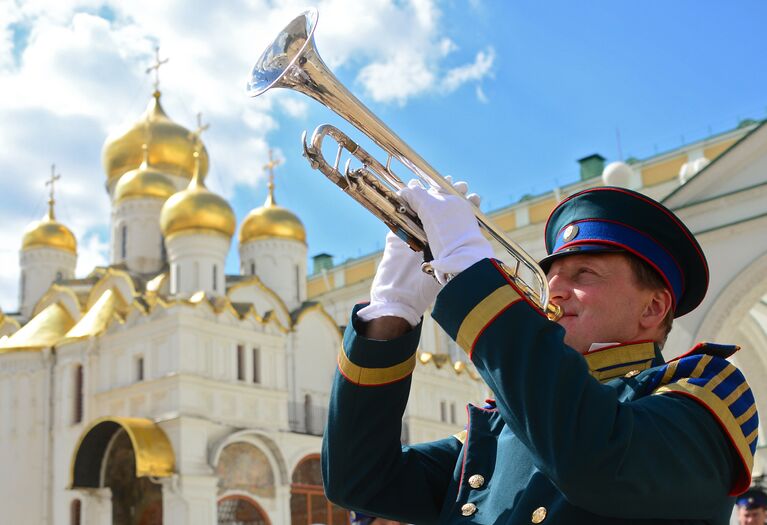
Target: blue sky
506, 95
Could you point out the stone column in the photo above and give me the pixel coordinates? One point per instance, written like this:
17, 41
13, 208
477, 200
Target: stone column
97, 506
189, 500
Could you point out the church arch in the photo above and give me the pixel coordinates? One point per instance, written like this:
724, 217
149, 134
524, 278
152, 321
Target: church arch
729, 319
152, 450
239, 509
261, 441
245, 468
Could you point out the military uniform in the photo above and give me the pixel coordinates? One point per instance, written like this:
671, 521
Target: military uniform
612, 436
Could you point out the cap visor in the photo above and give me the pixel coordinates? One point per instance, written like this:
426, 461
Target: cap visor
578, 249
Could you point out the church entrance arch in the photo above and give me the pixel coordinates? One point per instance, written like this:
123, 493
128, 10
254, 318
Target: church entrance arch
738, 315
308, 504
126, 455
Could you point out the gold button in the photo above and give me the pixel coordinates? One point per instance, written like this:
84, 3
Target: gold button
476, 481
632, 373
468, 509
539, 515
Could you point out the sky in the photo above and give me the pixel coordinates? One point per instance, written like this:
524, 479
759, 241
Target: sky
506, 95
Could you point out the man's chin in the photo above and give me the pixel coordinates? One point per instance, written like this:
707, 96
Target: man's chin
576, 343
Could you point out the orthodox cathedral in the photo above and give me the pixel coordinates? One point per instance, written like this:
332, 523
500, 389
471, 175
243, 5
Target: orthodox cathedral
158, 389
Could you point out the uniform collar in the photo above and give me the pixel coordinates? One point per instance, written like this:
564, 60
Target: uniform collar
615, 360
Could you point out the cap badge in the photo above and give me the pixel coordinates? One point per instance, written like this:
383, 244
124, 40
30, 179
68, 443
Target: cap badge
570, 232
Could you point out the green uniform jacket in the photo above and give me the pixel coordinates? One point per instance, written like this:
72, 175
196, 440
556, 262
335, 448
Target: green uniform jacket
615, 437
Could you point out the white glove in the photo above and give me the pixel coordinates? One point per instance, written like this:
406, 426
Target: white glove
451, 228
399, 287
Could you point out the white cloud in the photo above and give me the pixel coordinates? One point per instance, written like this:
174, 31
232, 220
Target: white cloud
481, 96
480, 68
91, 252
293, 107
10, 242
396, 80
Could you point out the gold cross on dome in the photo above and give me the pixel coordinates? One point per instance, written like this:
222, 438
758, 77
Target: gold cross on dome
50, 182
198, 132
156, 67
200, 126
269, 166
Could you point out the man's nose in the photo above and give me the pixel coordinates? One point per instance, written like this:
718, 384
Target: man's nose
558, 287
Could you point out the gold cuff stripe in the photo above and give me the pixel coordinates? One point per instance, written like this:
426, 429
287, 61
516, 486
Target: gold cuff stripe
627, 354
722, 411
752, 436
745, 416
483, 313
461, 436
374, 376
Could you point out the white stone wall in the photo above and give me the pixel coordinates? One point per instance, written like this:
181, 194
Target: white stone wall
195, 259
24, 449
312, 359
139, 221
41, 267
280, 264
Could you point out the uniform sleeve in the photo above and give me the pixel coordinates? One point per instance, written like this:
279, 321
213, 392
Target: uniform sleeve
658, 456
364, 466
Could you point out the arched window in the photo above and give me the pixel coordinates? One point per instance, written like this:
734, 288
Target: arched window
252, 267
240, 362
77, 408
139, 368
308, 504
298, 283
75, 512
175, 272
59, 276
256, 364
239, 510
123, 241
215, 277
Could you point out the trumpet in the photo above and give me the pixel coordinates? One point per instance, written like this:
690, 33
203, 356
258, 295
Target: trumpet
291, 61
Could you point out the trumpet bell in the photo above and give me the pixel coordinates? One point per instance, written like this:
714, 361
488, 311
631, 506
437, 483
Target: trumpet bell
291, 46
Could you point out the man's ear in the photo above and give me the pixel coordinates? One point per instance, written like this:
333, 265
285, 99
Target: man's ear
656, 308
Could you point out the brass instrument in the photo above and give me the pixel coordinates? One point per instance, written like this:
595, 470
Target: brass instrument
291, 61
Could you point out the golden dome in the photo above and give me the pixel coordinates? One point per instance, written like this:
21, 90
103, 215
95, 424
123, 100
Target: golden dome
143, 182
49, 233
170, 150
197, 209
271, 221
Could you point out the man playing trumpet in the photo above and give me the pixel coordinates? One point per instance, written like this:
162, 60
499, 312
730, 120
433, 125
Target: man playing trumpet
589, 423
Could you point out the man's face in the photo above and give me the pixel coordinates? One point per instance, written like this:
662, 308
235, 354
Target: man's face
752, 517
601, 300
